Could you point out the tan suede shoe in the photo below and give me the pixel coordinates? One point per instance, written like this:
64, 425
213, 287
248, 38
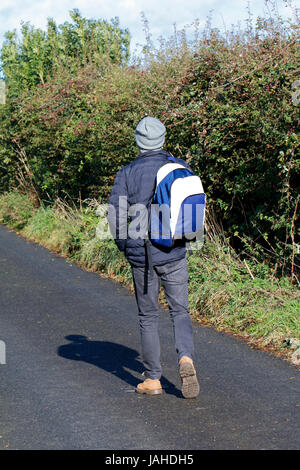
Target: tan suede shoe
189, 382
150, 387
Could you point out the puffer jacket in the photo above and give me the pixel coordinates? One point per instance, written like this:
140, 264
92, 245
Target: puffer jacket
136, 182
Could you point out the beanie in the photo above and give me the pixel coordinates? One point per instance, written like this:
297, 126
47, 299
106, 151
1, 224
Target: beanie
150, 133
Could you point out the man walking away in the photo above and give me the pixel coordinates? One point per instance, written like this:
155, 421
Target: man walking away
134, 185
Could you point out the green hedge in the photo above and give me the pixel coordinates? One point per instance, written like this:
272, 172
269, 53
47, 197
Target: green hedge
227, 104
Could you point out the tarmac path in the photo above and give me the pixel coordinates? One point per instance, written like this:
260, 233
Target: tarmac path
72, 363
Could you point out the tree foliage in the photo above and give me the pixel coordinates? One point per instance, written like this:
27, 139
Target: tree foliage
36, 57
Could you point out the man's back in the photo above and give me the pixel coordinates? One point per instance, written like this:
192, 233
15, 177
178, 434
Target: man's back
136, 182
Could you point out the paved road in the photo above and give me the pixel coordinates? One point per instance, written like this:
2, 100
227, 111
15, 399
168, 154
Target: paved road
72, 362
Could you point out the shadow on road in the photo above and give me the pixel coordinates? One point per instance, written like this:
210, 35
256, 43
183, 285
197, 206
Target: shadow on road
111, 357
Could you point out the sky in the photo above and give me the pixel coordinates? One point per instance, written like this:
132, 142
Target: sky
161, 14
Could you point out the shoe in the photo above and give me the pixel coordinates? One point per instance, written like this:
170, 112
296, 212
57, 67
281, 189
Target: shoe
149, 387
189, 382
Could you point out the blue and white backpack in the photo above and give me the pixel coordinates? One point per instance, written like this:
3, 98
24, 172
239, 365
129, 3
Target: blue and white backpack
178, 205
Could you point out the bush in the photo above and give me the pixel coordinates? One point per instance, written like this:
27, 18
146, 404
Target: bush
16, 209
226, 101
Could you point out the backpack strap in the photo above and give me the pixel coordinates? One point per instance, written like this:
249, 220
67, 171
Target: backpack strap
171, 158
149, 270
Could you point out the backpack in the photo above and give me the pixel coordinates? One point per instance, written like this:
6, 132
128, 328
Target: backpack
177, 209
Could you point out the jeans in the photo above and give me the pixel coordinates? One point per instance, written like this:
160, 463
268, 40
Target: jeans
174, 279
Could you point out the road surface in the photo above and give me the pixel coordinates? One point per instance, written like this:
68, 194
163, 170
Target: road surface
72, 363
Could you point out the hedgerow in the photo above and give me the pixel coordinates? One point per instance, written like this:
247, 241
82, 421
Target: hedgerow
227, 103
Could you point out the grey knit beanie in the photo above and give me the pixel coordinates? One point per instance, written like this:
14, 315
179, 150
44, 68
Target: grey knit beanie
150, 134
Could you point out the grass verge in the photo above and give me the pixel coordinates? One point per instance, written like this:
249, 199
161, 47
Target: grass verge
225, 292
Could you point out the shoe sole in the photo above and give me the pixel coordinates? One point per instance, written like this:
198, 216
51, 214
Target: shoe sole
149, 392
189, 383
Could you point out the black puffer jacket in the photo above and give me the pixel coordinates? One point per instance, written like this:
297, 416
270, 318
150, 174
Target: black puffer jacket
136, 182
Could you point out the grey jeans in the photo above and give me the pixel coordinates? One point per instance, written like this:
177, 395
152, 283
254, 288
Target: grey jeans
174, 279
